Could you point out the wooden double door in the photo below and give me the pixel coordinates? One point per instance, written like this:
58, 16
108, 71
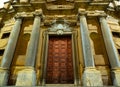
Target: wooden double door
59, 61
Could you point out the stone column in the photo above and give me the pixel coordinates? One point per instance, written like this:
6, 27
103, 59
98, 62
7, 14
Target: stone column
90, 74
27, 77
9, 51
86, 47
33, 43
111, 50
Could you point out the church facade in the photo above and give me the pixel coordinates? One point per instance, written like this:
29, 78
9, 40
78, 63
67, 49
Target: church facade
60, 43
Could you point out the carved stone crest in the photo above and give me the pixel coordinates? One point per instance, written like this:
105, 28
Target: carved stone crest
60, 26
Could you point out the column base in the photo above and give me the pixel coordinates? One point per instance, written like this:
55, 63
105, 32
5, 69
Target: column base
116, 77
26, 77
92, 77
3, 76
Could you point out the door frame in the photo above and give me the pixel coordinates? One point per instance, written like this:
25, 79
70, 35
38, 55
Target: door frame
45, 56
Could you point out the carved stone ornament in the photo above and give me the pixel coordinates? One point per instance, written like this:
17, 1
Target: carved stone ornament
38, 12
60, 26
60, 32
18, 15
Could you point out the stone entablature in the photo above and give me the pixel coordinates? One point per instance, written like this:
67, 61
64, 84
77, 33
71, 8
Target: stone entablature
58, 5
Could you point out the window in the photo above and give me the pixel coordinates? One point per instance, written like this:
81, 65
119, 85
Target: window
1, 52
5, 35
116, 34
118, 51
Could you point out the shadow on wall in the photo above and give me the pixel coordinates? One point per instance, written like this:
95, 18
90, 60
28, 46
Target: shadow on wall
96, 42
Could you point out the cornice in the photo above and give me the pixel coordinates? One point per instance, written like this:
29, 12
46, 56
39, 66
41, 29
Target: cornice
30, 14
95, 13
70, 4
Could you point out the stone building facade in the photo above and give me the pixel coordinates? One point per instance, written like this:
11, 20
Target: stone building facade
60, 42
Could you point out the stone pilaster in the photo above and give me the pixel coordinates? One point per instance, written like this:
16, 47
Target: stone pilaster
90, 74
111, 50
27, 77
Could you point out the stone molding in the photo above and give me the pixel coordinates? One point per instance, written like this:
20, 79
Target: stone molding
29, 14
91, 13
82, 12
38, 12
18, 16
3, 69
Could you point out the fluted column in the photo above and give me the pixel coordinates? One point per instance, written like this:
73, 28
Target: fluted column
9, 51
111, 50
90, 73
29, 72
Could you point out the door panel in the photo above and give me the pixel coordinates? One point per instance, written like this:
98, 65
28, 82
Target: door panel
59, 61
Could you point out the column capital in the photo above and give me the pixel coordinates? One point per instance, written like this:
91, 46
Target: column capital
18, 16
81, 12
102, 15
38, 13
